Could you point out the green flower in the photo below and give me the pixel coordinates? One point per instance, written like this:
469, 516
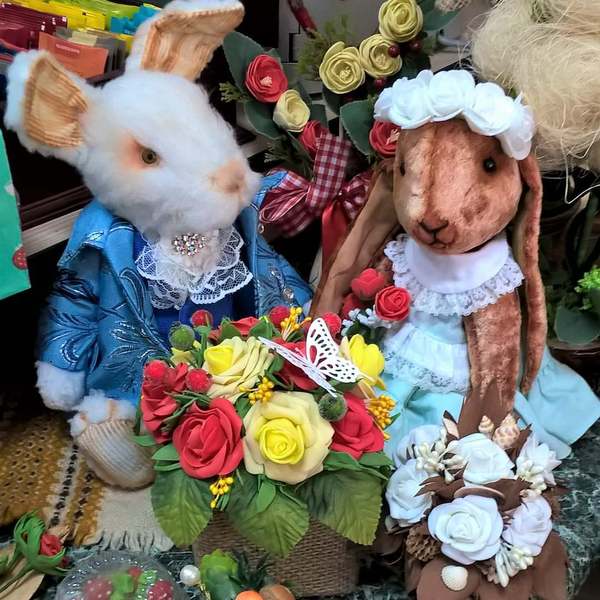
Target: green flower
587, 284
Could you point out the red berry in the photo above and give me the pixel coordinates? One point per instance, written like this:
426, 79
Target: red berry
198, 380
97, 589
415, 46
201, 318
278, 314
394, 50
156, 370
135, 572
333, 322
380, 83
20, 258
161, 590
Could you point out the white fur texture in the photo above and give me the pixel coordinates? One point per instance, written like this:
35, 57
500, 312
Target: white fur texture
59, 389
98, 408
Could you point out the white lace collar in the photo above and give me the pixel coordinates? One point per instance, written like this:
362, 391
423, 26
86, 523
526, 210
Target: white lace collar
205, 278
454, 285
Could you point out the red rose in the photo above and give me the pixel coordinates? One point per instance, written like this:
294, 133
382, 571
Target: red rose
198, 380
357, 432
278, 314
265, 79
368, 283
309, 136
384, 138
333, 322
202, 318
294, 375
351, 302
209, 440
50, 545
392, 304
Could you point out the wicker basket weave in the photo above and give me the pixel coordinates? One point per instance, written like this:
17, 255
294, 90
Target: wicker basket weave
322, 564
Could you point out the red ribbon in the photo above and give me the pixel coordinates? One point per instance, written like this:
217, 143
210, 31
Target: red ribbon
302, 16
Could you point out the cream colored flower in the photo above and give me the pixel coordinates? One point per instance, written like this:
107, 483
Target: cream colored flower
375, 57
341, 69
400, 20
291, 112
286, 438
235, 365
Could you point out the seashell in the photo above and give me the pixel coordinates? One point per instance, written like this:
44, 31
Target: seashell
507, 433
486, 426
455, 578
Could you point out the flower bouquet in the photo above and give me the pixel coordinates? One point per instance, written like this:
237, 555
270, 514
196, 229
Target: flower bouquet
264, 421
473, 504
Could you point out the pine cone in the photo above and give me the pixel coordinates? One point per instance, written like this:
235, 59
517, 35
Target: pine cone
447, 6
421, 545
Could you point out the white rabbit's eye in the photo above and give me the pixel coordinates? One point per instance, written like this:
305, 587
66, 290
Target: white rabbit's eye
149, 156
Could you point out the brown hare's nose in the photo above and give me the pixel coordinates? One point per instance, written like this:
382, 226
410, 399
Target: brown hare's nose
428, 231
433, 227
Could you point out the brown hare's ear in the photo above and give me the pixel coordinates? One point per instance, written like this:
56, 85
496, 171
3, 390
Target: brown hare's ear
45, 104
182, 38
371, 230
526, 251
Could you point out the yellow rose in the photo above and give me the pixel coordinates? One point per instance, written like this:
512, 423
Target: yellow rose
400, 20
291, 112
375, 57
341, 70
235, 365
366, 357
286, 438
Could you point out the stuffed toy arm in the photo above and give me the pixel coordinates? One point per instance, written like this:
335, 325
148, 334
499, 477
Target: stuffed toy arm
68, 330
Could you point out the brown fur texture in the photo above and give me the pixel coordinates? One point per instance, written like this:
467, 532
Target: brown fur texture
453, 191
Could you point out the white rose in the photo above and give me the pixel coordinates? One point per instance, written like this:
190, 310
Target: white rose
530, 526
406, 506
536, 462
425, 434
449, 93
409, 109
383, 105
491, 111
486, 461
469, 528
516, 140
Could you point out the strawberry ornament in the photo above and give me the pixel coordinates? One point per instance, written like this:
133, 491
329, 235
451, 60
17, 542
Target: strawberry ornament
20, 258
98, 589
161, 590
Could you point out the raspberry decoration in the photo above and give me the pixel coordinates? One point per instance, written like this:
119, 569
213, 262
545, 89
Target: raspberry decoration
20, 258
202, 318
156, 370
198, 380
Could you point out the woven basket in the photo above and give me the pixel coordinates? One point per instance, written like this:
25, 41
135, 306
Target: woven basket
322, 564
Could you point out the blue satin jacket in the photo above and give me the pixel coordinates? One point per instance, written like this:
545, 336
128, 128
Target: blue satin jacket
99, 318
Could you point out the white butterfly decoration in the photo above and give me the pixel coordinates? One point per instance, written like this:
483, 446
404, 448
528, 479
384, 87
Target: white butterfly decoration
322, 359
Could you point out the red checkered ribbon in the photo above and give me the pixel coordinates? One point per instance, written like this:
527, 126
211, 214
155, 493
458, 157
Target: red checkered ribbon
296, 202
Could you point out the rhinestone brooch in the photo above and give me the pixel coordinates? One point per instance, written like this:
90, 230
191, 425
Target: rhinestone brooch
188, 244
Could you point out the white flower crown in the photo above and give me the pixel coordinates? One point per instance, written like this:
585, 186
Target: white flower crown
410, 103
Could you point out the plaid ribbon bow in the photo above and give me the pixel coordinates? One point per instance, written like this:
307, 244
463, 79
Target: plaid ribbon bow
296, 202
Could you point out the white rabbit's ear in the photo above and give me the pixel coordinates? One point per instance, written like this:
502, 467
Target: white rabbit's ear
182, 38
44, 103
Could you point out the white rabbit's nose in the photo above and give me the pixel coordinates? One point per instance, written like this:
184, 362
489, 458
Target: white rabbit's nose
231, 178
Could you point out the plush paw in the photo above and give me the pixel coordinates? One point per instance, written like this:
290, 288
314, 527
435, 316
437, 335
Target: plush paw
59, 389
103, 429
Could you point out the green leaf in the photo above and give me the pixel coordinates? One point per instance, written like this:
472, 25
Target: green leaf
167, 466
357, 118
266, 494
240, 51
375, 460
337, 461
242, 406
218, 575
413, 64
181, 505
334, 101
277, 529
347, 501
264, 328
167, 453
434, 20
228, 331
144, 440
274, 53
261, 119
576, 327
303, 93
319, 113
426, 5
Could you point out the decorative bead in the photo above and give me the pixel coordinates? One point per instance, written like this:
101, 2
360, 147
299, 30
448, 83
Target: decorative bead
380, 83
415, 46
394, 50
188, 244
190, 575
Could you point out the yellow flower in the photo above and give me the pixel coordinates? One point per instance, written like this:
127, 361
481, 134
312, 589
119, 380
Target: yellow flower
366, 357
341, 69
181, 356
291, 112
236, 365
400, 20
375, 57
286, 438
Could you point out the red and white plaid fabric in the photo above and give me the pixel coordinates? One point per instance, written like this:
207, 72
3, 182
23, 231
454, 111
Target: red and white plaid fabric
296, 202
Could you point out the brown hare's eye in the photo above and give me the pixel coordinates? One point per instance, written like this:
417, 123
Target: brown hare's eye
149, 156
489, 165
402, 169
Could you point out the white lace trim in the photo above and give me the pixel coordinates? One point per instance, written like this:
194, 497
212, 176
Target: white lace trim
425, 361
171, 282
508, 279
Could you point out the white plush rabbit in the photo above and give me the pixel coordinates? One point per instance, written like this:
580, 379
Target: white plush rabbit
165, 169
